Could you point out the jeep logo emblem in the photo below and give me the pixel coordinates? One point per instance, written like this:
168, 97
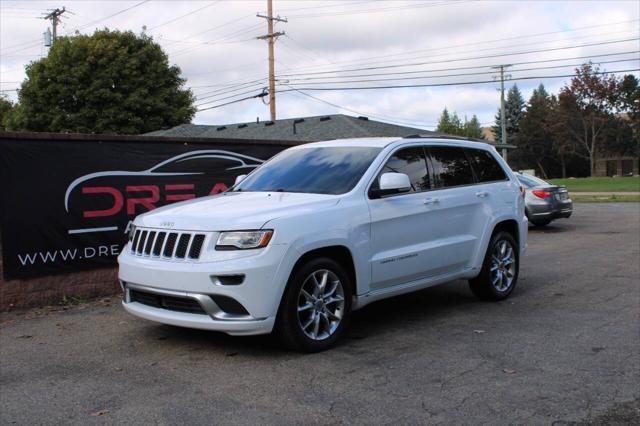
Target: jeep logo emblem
167, 224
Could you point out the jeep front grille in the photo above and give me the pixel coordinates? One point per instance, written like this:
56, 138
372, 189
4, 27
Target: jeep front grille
167, 245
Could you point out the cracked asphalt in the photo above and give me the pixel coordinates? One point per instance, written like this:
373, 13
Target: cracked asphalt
564, 349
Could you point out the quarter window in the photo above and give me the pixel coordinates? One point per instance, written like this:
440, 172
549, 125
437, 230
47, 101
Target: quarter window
450, 167
485, 166
412, 162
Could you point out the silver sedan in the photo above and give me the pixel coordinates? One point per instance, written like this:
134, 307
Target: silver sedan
544, 201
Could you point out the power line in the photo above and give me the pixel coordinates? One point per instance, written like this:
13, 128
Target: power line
29, 44
258, 84
378, 10
216, 40
472, 44
208, 30
502, 49
177, 18
387, 118
328, 6
461, 74
466, 59
233, 102
542, 77
471, 67
227, 97
119, 12
465, 83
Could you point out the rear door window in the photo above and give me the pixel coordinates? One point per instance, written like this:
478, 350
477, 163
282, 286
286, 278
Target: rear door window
450, 167
485, 166
412, 162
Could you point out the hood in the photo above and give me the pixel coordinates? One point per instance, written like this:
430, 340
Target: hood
233, 210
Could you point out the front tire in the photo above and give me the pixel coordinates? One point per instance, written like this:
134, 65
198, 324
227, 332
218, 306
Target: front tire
500, 268
316, 307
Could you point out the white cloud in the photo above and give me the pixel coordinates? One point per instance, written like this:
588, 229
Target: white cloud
427, 31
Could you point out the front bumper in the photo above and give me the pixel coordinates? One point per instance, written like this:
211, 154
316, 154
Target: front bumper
214, 320
259, 293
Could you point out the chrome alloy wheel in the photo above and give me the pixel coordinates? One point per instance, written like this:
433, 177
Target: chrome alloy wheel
320, 304
503, 266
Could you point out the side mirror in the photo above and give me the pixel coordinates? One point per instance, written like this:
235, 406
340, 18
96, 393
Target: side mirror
393, 183
239, 179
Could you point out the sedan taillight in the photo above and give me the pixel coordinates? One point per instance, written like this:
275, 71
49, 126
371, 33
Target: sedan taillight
541, 193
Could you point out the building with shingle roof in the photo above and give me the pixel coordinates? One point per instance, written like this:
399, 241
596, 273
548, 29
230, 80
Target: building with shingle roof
305, 129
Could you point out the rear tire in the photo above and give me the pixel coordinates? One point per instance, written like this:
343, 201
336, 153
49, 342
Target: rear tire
499, 273
316, 306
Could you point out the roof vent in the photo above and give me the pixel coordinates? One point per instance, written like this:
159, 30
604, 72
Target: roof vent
242, 126
325, 118
269, 123
362, 117
221, 128
297, 121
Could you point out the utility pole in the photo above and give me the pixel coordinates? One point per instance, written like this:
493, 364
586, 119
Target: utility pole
271, 38
503, 121
54, 16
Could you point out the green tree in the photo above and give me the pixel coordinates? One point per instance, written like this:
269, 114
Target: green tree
630, 101
587, 108
6, 109
514, 111
108, 82
535, 136
471, 128
451, 124
444, 123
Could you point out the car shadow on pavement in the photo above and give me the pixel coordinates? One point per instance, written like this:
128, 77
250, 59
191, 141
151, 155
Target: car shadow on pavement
553, 228
377, 319
426, 305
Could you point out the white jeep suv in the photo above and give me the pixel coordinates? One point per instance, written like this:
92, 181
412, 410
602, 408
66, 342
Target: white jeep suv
323, 229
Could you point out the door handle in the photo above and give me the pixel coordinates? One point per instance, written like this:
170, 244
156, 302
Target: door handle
482, 194
431, 201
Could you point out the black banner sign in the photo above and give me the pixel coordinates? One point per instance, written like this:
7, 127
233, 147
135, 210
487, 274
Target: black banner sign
67, 204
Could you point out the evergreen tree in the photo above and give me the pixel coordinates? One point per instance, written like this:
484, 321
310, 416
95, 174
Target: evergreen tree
456, 125
514, 111
535, 136
444, 123
451, 124
472, 128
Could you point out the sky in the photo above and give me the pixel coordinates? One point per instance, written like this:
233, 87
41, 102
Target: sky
448, 47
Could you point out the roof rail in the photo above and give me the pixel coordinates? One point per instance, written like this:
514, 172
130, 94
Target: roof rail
419, 136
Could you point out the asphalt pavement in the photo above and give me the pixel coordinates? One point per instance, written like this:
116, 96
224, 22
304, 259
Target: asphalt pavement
564, 349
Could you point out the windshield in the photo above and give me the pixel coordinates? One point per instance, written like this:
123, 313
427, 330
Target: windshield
531, 181
327, 170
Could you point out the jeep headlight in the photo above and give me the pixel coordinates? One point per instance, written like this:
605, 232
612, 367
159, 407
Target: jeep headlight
243, 240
